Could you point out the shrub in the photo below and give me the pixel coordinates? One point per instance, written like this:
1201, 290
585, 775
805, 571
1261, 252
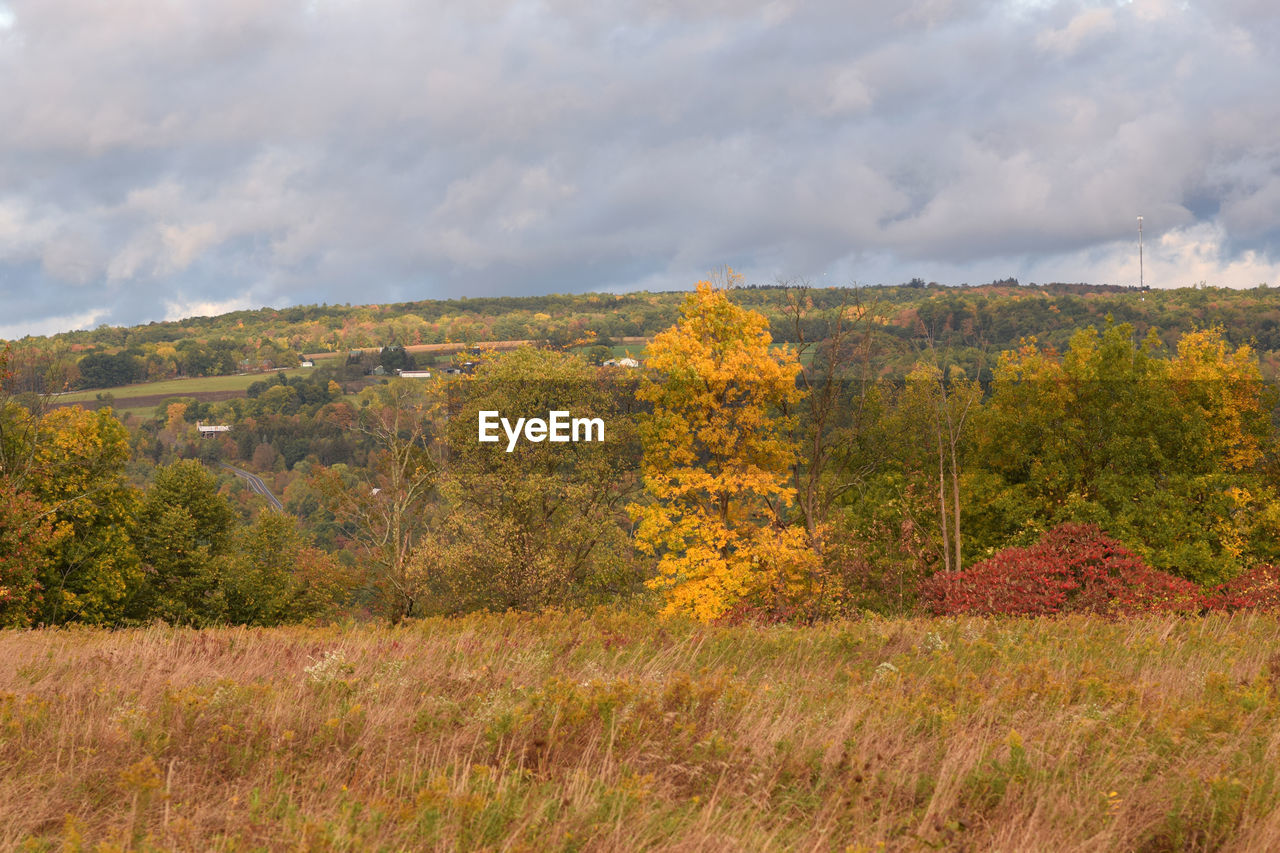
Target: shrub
1074, 568
1256, 589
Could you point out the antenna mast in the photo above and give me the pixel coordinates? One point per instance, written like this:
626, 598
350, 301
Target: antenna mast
1141, 280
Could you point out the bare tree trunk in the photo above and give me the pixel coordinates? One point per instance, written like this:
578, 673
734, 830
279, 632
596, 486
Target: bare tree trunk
955, 491
942, 503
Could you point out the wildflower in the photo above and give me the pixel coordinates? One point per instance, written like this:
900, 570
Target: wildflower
329, 668
933, 642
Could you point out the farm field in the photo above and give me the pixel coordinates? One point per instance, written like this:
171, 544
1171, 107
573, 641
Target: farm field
142, 399
616, 731
174, 387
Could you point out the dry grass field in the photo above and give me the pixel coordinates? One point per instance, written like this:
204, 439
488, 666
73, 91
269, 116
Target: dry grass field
610, 731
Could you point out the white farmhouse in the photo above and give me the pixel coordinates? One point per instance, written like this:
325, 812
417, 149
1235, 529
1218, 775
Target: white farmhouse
211, 429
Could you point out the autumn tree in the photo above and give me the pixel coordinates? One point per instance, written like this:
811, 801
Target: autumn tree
24, 524
78, 473
276, 576
65, 553
833, 348
937, 406
1163, 452
847, 493
27, 539
543, 524
27, 532
18, 428
717, 461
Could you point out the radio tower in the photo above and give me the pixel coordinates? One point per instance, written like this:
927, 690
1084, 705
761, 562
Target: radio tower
1141, 282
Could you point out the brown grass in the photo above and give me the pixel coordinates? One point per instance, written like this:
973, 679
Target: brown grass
609, 731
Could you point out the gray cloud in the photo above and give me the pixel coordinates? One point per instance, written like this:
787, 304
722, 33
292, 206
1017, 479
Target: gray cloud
182, 157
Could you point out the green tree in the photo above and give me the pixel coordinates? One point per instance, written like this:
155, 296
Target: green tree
184, 535
937, 408
277, 577
395, 358
543, 524
1163, 452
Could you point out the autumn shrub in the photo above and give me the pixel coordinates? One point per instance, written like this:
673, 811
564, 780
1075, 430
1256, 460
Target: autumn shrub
1256, 589
1074, 568
25, 537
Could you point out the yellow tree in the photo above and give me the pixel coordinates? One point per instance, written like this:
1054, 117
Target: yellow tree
1223, 388
78, 473
717, 461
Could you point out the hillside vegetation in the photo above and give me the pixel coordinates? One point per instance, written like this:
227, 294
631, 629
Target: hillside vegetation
705, 631
963, 320
740, 479
614, 731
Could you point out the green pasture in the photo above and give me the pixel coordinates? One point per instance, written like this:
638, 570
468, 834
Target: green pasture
173, 387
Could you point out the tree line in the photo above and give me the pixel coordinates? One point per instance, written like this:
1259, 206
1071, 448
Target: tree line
798, 482
994, 315
740, 478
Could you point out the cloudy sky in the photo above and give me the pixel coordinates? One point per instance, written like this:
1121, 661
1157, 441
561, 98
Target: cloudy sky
165, 159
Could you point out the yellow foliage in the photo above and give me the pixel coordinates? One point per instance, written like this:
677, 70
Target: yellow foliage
1225, 386
717, 459
175, 420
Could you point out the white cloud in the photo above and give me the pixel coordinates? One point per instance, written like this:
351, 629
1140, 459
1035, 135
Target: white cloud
848, 93
1086, 27
347, 152
1180, 257
53, 325
1197, 254
179, 309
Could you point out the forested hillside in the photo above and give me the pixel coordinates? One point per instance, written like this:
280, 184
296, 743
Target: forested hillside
987, 318
781, 454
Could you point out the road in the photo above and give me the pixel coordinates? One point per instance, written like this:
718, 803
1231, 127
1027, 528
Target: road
255, 483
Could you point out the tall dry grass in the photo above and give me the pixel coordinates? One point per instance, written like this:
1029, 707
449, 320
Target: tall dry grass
608, 731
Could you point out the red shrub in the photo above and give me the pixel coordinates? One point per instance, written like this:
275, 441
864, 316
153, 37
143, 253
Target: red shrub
1074, 568
1258, 588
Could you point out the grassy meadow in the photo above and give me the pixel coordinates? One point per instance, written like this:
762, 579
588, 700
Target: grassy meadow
141, 399
175, 387
607, 731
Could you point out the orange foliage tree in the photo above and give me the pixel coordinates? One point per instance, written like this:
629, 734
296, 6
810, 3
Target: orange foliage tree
717, 461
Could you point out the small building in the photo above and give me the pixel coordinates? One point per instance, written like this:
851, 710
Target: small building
306, 362
621, 362
211, 429
414, 374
